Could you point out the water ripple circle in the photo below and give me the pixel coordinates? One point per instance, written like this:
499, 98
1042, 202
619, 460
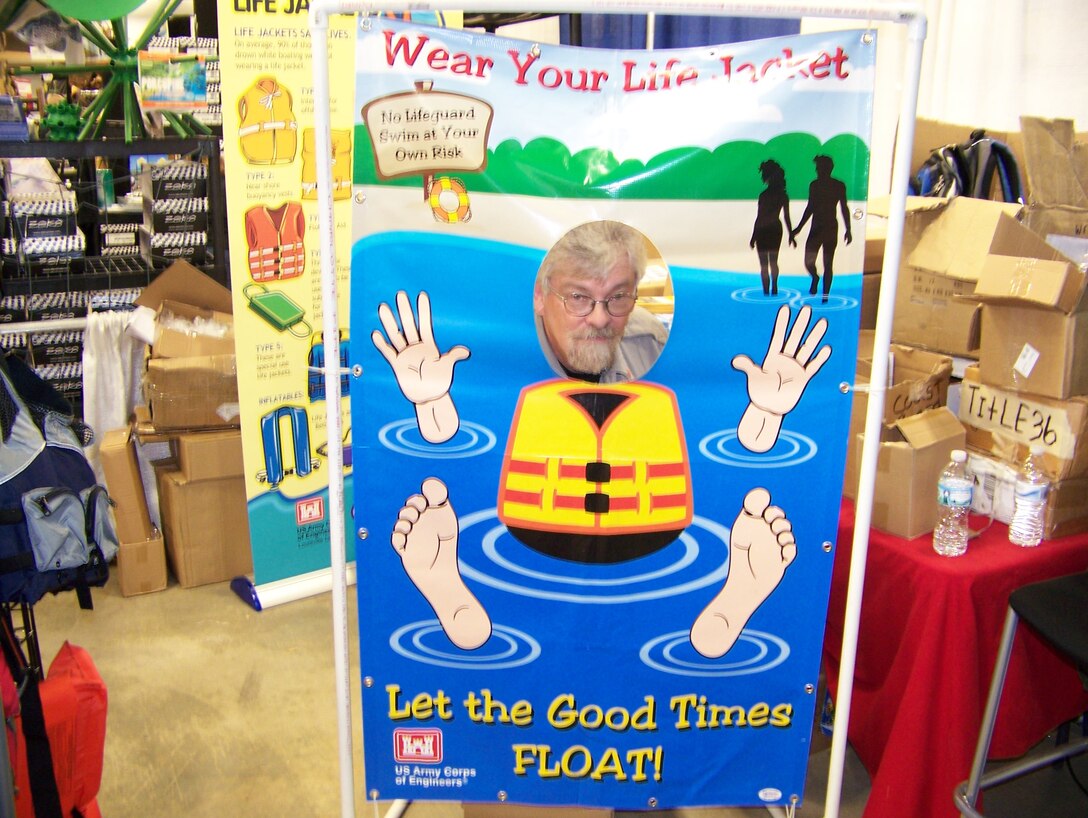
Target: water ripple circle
791, 449
573, 588
507, 647
834, 303
402, 436
754, 295
765, 651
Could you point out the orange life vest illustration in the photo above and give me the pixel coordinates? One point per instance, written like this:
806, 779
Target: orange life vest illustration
275, 239
341, 164
267, 133
596, 473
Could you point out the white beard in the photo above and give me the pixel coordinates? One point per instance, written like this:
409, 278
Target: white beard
592, 357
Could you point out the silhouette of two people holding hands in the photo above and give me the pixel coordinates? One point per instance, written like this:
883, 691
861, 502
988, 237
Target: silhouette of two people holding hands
826, 195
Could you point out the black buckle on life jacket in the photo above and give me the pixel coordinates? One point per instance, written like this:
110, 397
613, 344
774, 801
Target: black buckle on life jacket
596, 503
598, 472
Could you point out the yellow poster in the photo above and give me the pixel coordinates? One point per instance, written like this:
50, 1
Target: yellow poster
275, 262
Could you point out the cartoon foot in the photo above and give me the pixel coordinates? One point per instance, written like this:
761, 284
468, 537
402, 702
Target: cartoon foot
761, 548
425, 537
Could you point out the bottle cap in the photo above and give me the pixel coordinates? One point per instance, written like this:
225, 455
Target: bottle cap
959, 456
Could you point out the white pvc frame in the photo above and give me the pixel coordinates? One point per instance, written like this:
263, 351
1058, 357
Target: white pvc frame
904, 12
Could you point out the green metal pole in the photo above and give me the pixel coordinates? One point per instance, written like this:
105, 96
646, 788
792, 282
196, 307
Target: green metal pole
129, 106
165, 10
91, 32
98, 103
107, 95
176, 123
195, 124
120, 33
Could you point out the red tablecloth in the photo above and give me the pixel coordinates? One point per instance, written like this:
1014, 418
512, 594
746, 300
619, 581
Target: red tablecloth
928, 639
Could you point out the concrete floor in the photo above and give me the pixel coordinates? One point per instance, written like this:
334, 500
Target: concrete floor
217, 710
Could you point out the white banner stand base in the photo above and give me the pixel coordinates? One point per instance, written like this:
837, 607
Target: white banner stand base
270, 594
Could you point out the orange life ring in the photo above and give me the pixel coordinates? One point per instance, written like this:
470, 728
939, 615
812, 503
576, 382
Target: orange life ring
454, 189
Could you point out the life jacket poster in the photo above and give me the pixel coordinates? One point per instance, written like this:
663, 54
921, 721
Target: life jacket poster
270, 165
602, 304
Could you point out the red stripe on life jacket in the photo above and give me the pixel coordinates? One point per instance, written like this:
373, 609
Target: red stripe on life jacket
528, 467
668, 501
525, 498
665, 470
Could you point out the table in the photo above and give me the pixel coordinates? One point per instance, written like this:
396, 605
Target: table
927, 643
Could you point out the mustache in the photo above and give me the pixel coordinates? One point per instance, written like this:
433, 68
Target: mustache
605, 334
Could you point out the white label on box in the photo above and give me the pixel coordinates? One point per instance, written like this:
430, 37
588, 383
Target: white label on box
1029, 356
1015, 416
120, 239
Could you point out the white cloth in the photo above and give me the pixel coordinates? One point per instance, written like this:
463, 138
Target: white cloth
112, 364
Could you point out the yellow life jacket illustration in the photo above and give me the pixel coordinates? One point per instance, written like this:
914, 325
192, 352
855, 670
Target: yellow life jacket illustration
267, 133
275, 240
341, 164
596, 473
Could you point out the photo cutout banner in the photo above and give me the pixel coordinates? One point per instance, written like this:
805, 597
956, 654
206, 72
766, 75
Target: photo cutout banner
603, 303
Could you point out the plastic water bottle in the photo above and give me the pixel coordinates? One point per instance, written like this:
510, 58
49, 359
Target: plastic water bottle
1029, 500
954, 489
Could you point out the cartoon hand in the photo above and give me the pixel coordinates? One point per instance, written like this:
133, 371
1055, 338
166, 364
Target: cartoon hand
849, 237
775, 388
761, 548
423, 374
793, 241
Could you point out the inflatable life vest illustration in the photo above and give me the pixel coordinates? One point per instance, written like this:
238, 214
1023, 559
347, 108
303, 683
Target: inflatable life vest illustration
595, 473
315, 366
275, 240
268, 132
275, 469
341, 164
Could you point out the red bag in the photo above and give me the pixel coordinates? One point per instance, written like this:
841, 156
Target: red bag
74, 702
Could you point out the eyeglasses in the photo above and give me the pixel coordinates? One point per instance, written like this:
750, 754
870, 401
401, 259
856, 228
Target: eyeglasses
581, 305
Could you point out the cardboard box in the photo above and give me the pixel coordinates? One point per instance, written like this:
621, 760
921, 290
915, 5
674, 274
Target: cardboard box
206, 525
141, 566
913, 451
210, 455
945, 242
186, 331
1043, 352
1004, 423
1055, 161
118, 455
1034, 329
918, 380
1023, 270
192, 393
876, 239
184, 283
1061, 220
870, 299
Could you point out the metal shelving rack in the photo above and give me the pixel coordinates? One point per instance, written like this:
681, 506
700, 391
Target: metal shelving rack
102, 272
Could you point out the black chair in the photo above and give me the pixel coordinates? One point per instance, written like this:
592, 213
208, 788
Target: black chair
1057, 610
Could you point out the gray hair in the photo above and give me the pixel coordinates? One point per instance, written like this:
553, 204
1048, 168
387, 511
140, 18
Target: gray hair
591, 250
